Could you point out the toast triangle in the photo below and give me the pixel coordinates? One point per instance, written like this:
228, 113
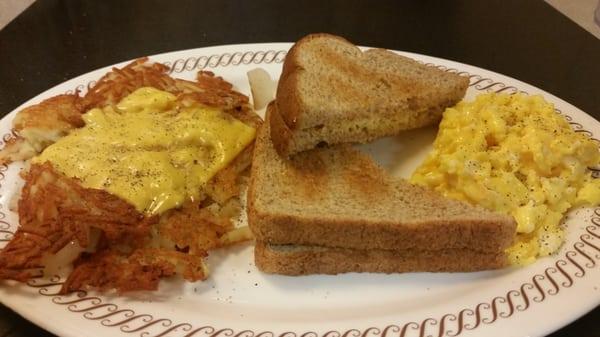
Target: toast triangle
339, 197
332, 92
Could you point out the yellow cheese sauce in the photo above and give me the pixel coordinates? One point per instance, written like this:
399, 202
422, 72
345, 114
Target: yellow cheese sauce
148, 150
514, 154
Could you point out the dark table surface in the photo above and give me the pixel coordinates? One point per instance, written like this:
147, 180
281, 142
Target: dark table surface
54, 40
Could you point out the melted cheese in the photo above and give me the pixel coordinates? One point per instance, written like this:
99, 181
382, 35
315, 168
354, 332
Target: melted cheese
148, 150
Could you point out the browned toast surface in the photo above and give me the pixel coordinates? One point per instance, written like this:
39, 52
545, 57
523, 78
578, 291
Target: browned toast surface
330, 91
338, 197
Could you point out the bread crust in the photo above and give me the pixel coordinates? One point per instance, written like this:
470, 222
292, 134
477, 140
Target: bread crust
474, 234
306, 260
287, 90
281, 134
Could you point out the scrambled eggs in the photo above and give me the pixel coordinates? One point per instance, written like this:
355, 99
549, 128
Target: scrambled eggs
149, 150
515, 155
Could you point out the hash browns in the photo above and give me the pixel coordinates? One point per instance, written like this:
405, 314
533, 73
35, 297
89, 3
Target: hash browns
55, 210
40, 125
140, 270
120, 248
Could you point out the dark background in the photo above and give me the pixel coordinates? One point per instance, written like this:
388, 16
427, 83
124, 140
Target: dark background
54, 40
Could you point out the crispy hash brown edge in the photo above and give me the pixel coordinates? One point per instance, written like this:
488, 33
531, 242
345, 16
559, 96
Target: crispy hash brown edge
118, 247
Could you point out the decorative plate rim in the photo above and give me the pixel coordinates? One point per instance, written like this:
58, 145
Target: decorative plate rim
562, 274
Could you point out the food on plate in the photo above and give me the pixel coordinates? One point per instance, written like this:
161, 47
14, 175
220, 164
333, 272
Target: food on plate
345, 208
294, 260
514, 154
149, 149
41, 125
134, 181
331, 92
262, 87
143, 175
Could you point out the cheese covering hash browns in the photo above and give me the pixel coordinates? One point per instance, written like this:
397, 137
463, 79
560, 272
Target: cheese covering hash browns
111, 244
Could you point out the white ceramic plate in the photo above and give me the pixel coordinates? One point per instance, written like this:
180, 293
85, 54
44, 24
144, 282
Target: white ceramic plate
239, 301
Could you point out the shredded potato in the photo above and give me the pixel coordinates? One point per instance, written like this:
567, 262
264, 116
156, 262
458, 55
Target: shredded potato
107, 242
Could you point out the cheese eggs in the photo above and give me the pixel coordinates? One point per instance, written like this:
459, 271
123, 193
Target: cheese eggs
514, 154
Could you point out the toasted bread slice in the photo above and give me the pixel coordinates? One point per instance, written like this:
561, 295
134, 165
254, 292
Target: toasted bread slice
304, 260
332, 92
338, 197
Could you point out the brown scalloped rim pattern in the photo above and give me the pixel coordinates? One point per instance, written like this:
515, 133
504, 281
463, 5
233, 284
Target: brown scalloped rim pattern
582, 256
